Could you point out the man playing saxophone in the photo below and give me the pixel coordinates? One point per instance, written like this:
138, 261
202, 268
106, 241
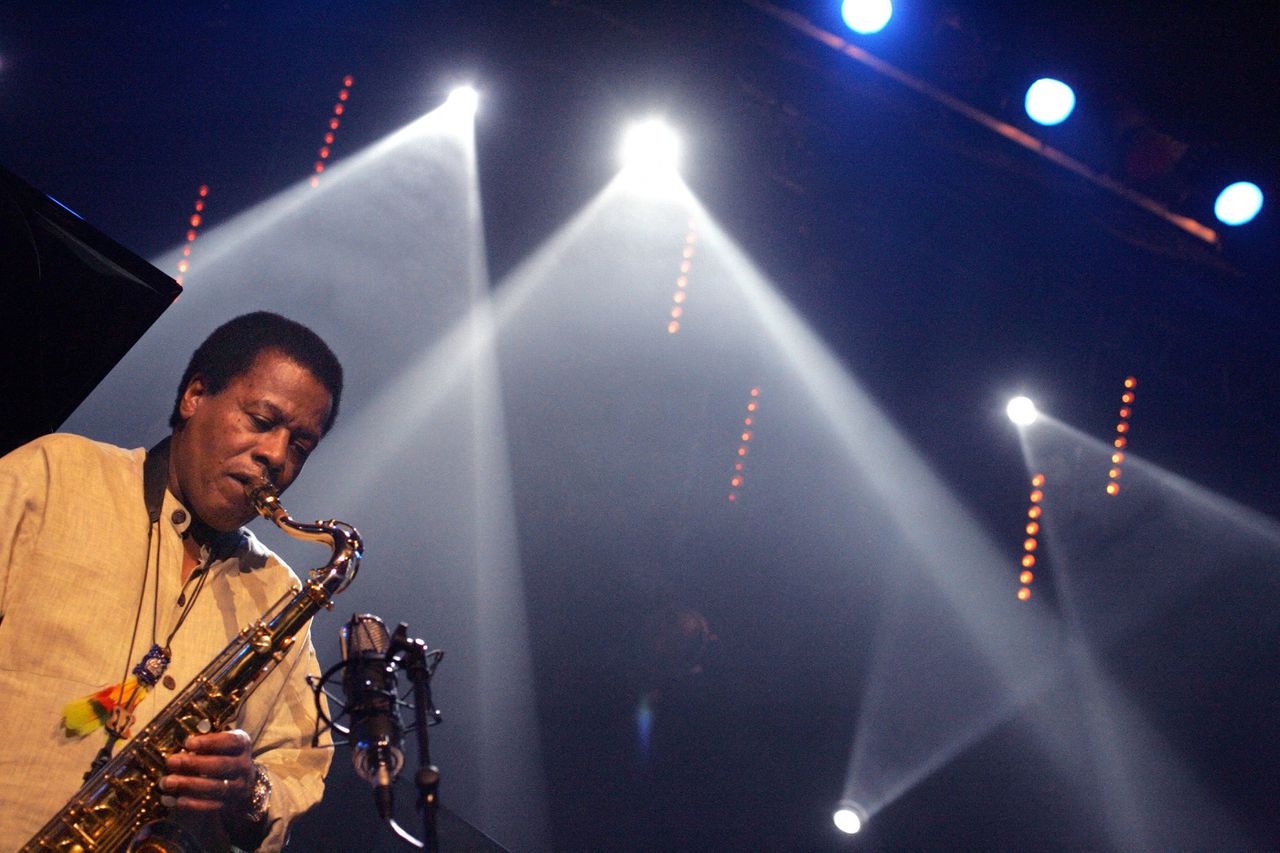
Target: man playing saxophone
123, 572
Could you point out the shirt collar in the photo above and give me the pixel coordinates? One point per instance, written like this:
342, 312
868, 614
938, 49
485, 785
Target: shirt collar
155, 477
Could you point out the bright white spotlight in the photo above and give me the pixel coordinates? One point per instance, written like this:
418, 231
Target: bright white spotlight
1022, 411
850, 817
464, 98
1050, 101
650, 146
1238, 203
866, 16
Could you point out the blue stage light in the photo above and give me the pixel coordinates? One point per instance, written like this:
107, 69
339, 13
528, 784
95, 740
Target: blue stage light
866, 16
1050, 101
1238, 203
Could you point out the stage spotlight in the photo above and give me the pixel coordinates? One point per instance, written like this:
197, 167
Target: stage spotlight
850, 817
866, 16
464, 98
1238, 203
650, 146
1050, 101
1022, 411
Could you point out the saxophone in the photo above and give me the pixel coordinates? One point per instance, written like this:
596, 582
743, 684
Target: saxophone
119, 806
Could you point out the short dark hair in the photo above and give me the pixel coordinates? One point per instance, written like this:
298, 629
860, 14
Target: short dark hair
233, 347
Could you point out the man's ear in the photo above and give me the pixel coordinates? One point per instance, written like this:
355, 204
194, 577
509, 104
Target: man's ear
195, 391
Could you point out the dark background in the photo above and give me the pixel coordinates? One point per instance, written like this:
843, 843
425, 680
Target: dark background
945, 268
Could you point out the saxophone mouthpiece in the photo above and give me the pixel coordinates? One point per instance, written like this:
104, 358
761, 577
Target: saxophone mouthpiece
266, 499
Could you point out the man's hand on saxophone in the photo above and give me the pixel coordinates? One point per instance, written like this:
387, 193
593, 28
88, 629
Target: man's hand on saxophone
214, 774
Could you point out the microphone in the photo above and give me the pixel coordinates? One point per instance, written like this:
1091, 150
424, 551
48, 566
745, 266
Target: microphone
369, 682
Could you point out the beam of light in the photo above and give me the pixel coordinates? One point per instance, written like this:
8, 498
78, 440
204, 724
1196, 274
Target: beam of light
866, 17
953, 624
1022, 411
464, 99
850, 818
1050, 102
1116, 576
650, 148
1238, 204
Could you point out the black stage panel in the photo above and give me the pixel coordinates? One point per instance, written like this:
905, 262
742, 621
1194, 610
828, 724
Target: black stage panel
74, 302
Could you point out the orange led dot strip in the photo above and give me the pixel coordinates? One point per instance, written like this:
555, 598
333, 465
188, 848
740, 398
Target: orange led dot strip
1026, 576
1122, 436
682, 281
748, 433
334, 121
193, 230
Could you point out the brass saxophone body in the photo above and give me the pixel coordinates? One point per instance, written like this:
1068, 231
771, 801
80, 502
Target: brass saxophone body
119, 808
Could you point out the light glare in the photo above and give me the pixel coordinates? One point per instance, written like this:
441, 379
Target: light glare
1238, 204
848, 820
464, 98
866, 17
1022, 411
650, 145
1050, 101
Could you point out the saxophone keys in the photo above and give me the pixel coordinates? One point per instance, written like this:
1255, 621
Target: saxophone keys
204, 727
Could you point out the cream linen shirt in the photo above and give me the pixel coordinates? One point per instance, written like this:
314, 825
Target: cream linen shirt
73, 557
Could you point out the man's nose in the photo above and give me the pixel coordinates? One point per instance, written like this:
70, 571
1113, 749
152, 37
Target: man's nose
271, 452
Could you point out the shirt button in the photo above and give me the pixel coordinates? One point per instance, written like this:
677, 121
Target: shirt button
178, 517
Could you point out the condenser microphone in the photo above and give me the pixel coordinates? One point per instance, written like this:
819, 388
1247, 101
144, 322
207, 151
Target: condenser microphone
369, 682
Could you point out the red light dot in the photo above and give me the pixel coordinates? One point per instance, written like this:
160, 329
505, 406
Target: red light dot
183, 266
1117, 458
1037, 480
679, 296
1126, 398
682, 281
1026, 577
348, 81
685, 266
328, 139
1113, 488
1114, 473
1024, 594
673, 327
1028, 560
742, 451
1029, 545
1125, 412
737, 466
319, 167
315, 182
732, 497
751, 407
199, 205
1131, 383
195, 220
191, 235
324, 152
736, 481
1034, 512
746, 436
338, 109
342, 96
677, 311
1037, 496
204, 190
1122, 427
1120, 442
186, 251
1033, 528
178, 279
747, 421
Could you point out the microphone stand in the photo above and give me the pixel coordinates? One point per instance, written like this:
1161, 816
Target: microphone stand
427, 779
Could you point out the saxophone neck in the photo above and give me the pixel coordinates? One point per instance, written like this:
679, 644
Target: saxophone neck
338, 535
